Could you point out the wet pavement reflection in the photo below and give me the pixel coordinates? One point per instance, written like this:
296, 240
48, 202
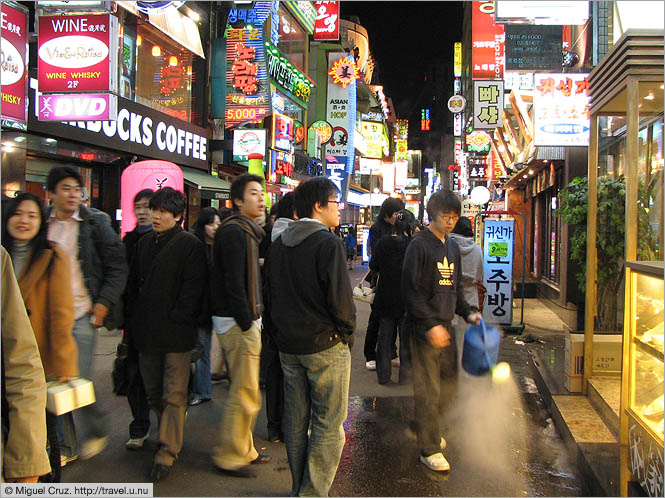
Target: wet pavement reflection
500, 443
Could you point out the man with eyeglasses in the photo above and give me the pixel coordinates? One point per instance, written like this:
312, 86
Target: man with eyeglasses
99, 274
310, 301
433, 294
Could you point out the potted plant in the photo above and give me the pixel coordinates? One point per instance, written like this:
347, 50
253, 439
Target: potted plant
610, 239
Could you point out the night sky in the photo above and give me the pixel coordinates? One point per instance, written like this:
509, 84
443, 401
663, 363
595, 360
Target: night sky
404, 37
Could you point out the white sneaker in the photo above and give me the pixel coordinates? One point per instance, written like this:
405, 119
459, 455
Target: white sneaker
395, 362
136, 442
370, 365
93, 447
443, 444
436, 462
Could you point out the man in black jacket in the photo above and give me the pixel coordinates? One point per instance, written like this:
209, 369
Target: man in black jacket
98, 282
165, 296
136, 397
237, 304
311, 305
433, 293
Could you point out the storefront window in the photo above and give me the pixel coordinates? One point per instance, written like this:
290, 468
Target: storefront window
158, 72
611, 224
650, 173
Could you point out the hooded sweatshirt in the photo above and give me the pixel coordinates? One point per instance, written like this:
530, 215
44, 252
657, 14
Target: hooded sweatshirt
278, 228
432, 281
308, 291
472, 266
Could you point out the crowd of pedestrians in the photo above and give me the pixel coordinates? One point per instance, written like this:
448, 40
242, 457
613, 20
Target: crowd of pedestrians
277, 294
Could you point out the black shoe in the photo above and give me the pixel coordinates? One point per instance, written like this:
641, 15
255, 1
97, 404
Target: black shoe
245, 471
261, 459
159, 472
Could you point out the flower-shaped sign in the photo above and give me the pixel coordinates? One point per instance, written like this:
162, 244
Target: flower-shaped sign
344, 71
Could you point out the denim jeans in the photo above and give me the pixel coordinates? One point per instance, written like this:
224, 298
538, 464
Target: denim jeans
92, 418
201, 382
434, 384
316, 390
388, 328
274, 379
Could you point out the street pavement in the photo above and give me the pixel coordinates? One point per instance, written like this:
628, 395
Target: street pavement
501, 441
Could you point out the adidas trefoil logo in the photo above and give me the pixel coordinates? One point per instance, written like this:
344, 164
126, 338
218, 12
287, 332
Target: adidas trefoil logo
446, 270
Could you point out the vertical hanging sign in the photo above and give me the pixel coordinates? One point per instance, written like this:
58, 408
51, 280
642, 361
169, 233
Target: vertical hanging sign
78, 53
14, 76
498, 243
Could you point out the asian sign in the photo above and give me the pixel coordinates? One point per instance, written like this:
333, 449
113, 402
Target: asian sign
488, 52
533, 48
458, 59
375, 140
401, 149
247, 98
498, 271
477, 168
561, 103
338, 110
487, 104
402, 129
323, 129
289, 78
282, 132
326, 26
478, 142
304, 11
14, 64
282, 163
246, 142
336, 172
344, 71
78, 53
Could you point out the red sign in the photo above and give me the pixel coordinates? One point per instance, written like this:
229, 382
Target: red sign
283, 163
77, 53
14, 64
488, 42
326, 26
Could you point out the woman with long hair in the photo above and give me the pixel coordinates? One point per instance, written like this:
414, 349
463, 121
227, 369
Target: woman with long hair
205, 228
387, 260
43, 274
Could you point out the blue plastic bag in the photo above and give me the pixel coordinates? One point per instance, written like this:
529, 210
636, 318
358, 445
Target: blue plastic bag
481, 348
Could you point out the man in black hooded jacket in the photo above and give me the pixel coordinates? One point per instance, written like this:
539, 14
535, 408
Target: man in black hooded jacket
311, 304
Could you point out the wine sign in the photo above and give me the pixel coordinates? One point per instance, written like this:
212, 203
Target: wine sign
78, 53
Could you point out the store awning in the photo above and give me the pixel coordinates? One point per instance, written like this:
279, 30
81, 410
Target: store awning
210, 186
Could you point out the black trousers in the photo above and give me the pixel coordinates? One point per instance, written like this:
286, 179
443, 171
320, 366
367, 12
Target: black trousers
372, 336
136, 396
434, 384
274, 381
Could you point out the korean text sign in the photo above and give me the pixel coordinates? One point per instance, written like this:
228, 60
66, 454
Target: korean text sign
326, 26
338, 111
488, 42
14, 64
247, 92
561, 103
77, 53
487, 104
498, 240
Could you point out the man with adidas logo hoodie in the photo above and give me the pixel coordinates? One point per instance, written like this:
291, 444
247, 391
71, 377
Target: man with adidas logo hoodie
433, 293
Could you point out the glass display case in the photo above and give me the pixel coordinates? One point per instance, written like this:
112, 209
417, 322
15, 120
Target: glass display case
644, 337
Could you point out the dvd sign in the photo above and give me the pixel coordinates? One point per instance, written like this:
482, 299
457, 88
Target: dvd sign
74, 53
84, 107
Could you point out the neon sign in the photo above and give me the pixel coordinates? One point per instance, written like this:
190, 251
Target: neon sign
344, 72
